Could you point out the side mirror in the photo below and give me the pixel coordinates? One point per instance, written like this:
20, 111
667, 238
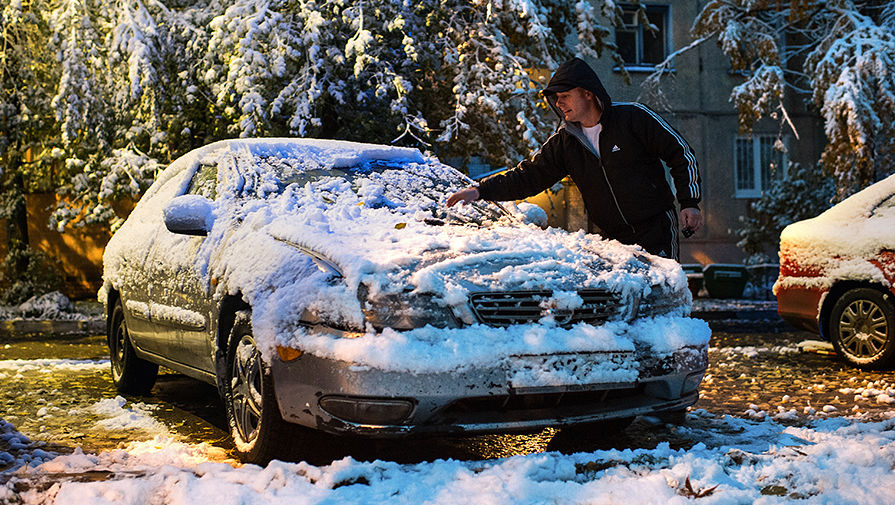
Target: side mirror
189, 215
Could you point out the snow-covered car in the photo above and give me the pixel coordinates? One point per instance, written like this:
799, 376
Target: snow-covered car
837, 276
325, 284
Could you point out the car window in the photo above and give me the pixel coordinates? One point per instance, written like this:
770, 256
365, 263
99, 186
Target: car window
204, 181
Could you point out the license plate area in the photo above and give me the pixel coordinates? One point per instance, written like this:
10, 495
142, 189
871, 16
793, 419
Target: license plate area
571, 370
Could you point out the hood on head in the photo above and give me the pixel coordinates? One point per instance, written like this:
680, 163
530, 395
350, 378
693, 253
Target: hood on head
575, 73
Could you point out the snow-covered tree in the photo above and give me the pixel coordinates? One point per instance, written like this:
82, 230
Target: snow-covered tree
27, 123
137, 91
135, 83
839, 55
450, 74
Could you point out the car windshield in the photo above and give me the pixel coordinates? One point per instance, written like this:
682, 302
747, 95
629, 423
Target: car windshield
399, 185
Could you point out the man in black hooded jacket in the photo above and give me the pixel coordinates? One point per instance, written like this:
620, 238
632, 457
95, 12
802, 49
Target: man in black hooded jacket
614, 153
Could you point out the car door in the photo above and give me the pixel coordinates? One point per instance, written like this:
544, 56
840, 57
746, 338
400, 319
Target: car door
137, 257
181, 305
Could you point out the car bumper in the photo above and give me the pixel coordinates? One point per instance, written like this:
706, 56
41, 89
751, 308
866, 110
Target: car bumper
476, 400
800, 306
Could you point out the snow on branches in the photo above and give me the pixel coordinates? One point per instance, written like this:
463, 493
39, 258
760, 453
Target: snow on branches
853, 83
143, 81
839, 54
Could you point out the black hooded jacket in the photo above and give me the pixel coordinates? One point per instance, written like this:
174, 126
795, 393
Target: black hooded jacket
624, 187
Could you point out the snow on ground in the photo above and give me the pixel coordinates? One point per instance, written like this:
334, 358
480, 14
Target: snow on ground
738, 461
17, 366
53, 306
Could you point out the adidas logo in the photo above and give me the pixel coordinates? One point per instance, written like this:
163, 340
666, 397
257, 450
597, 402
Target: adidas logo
615, 149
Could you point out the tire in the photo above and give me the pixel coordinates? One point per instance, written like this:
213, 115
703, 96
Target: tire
259, 433
130, 374
862, 328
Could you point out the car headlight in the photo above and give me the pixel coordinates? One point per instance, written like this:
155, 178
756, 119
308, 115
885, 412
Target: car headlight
405, 311
662, 300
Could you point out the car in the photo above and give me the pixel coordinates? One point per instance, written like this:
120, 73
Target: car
324, 287
837, 276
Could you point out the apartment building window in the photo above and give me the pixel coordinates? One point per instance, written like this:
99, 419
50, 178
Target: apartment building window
637, 44
758, 163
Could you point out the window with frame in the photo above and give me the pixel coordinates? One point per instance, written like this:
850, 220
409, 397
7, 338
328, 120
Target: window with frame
638, 44
759, 161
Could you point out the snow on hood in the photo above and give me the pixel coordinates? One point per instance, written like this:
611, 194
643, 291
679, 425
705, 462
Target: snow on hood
383, 226
838, 243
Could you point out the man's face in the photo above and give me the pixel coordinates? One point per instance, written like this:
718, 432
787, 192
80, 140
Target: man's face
577, 105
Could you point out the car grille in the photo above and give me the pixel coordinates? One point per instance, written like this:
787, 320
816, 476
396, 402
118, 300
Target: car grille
503, 308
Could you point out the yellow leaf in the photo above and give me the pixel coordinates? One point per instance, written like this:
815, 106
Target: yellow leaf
400, 226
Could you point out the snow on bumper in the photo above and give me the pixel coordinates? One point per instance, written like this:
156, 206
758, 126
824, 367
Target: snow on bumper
513, 390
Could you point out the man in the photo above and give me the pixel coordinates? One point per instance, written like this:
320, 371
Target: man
614, 153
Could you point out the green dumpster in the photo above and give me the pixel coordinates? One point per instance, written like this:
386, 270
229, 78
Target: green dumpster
725, 281
694, 277
762, 278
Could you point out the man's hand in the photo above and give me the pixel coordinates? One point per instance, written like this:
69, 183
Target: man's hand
691, 218
465, 195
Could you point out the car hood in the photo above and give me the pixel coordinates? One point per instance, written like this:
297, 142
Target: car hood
451, 261
386, 243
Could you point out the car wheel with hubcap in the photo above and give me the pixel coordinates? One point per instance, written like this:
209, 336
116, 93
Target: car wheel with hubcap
259, 433
130, 374
862, 328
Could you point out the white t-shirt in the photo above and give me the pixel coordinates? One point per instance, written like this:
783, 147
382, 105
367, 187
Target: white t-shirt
593, 134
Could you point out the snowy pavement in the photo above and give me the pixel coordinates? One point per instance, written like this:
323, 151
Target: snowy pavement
740, 461
818, 443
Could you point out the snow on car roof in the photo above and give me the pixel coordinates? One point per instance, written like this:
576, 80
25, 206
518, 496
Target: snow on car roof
840, 240
389, 230
861, 224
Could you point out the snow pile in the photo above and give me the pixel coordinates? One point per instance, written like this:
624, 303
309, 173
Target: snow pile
50, 306
841, 242
304, 226
739, 461
116, 416
48, 365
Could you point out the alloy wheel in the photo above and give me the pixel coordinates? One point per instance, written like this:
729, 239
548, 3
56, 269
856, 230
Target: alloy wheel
246, 388
863, 329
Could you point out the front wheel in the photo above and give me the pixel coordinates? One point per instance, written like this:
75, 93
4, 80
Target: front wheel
862, 328
259, 433
131, 374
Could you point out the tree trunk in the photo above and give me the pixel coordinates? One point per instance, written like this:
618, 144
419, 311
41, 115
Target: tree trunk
16, 212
